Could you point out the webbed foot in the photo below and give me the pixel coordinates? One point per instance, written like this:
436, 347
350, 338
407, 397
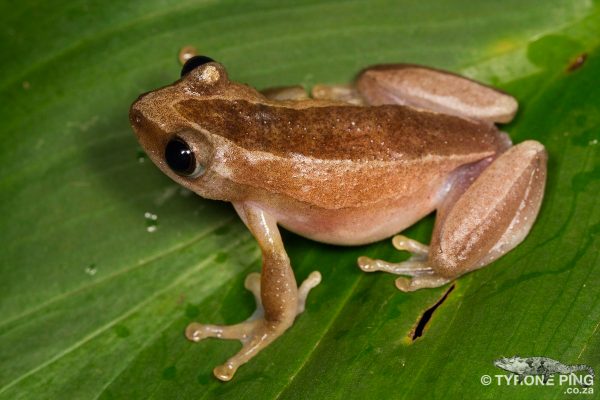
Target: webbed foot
256, 332
416, 266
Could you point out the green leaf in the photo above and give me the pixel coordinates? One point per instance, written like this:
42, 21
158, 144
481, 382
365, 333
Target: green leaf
93, 305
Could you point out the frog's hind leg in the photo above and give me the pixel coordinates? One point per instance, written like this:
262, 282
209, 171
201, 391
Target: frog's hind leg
479, 221
416, 266
435, 90
490, 217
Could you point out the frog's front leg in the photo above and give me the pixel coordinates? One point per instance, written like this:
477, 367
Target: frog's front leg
479, 220
343, 93
283, 93
278, 298
337, 93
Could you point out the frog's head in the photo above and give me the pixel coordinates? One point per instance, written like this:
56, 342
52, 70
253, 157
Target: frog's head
179, 127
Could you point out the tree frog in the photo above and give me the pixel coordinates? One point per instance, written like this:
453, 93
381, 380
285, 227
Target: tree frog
348, 165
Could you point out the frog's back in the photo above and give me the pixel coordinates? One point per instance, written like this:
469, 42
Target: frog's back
338, 156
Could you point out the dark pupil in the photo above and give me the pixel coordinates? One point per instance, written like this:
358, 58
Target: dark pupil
193, 63
179, 157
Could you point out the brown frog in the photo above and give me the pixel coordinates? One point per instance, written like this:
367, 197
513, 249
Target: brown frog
349, 166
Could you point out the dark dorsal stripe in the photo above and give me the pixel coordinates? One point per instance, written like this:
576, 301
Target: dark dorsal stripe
388, 132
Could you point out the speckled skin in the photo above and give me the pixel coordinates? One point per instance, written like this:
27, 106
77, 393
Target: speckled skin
351, 167
323, 167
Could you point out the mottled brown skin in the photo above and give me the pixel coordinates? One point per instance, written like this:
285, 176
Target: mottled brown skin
342, 132
350, 166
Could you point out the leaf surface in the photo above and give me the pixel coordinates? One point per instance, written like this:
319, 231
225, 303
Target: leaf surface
93, 305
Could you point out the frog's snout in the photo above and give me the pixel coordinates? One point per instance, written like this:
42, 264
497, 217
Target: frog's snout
136, 117
148, 134
138, 123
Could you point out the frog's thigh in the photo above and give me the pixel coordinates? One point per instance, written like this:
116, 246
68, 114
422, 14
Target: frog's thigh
493, 215
285, 93
435, 90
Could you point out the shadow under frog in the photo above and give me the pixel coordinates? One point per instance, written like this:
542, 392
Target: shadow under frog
350, 165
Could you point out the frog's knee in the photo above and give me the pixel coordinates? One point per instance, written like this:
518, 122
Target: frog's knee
493, 215
450, 263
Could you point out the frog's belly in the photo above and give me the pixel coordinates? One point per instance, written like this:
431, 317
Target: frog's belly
356, 225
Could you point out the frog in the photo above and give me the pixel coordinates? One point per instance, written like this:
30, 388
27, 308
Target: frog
348, 165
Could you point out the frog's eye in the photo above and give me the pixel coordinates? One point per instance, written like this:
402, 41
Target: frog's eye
180, 158
194, 63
